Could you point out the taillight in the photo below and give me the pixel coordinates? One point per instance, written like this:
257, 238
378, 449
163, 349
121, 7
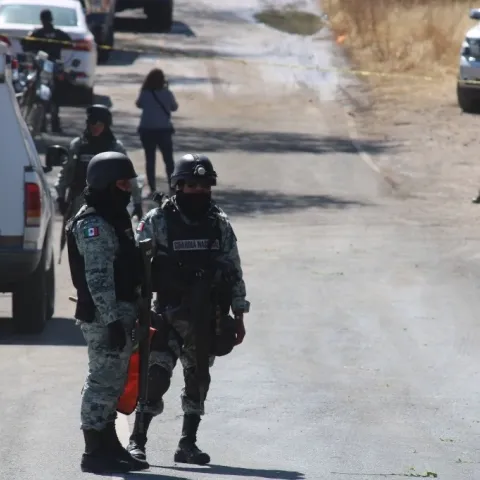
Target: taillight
83, 45
5, 39
33, 205
14, 63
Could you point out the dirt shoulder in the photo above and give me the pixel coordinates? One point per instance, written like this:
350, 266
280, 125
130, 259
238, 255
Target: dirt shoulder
435, 159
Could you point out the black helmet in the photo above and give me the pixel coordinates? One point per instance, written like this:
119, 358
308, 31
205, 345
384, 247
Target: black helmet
106, 168
99, 113
224, 341
193, 167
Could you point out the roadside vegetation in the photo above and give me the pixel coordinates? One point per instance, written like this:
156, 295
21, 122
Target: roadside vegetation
290, 20
409, 37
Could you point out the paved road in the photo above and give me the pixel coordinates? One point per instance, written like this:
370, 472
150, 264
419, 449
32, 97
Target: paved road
361, 355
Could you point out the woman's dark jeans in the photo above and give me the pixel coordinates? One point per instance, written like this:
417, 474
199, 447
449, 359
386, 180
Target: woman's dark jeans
151, 139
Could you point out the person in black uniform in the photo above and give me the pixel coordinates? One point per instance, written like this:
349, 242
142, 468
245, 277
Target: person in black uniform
192, 238
97, 138
54, 50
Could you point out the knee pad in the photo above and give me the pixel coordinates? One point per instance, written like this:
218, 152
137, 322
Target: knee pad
158, 382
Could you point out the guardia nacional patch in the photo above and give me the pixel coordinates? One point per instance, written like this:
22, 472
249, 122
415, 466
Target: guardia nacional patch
91, 232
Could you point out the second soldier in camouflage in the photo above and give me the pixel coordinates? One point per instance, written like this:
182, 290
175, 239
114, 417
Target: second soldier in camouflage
190, 234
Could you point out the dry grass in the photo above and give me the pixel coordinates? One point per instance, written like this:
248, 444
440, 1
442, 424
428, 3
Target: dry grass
290, 20
414, 37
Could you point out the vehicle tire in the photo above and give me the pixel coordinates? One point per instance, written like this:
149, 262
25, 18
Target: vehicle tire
466, 101
160, 15
30, 301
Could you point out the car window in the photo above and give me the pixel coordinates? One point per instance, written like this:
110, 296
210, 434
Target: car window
30, 14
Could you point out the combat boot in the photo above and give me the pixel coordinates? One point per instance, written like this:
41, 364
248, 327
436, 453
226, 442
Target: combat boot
187, 451
121, 453
136, 446
97, 457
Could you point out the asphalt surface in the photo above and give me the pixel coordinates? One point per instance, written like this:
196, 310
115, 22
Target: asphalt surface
361, 357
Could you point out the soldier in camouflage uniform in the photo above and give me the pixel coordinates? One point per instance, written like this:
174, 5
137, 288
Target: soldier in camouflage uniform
106, 272
97, 138
188, 228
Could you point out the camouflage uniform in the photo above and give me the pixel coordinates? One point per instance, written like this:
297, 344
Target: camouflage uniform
66, 176
154, 226
107, 368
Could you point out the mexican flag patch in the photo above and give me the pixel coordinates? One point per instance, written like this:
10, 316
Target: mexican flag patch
91, 232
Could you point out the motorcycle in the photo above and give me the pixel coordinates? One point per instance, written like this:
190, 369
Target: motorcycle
37, 80
35, 99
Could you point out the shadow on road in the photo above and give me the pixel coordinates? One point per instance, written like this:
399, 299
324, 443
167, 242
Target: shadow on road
255, 202
218, 140
137, 78
125, 54
103, 100
122, 58
58, 332
243, 472
150, 476
140, 25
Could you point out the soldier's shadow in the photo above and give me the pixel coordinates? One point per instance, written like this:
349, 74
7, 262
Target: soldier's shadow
149, 476
240, 472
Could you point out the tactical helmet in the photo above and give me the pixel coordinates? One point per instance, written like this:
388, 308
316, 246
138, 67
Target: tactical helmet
224, 341
193, 167
106, 168
99, 113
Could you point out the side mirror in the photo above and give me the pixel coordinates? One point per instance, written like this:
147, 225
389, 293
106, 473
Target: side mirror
55, 157
475, 13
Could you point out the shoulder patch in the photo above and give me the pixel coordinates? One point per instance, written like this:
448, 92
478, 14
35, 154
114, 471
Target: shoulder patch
91, 232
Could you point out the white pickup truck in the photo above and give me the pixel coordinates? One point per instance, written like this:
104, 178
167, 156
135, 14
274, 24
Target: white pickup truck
27, 267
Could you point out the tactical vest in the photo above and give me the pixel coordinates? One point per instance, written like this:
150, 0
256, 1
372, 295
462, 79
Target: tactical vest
126, 267
189, 247
86, 151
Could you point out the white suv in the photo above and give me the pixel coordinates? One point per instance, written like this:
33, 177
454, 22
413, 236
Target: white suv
468, 82
26, 215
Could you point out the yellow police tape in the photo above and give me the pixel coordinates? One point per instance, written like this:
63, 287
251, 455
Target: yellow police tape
157, 51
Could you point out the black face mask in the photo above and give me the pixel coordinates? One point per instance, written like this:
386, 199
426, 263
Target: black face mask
194, 205
111, 202
121, 197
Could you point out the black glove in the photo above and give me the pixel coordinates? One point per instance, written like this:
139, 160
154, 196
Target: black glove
137, 211
62, 205
239, 327
117, 336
